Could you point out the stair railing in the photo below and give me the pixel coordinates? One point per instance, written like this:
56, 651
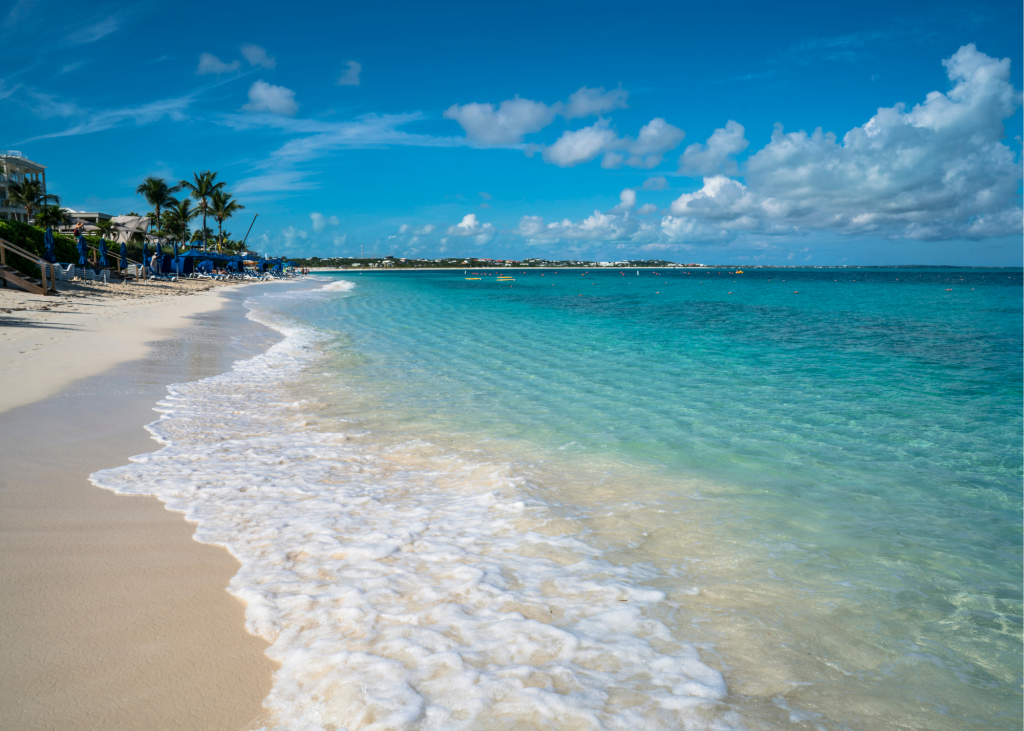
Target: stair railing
44, 266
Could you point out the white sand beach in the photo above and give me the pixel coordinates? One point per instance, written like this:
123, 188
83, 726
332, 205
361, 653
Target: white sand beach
111, 616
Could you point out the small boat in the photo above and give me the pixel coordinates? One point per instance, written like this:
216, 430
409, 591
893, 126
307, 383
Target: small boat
472, 277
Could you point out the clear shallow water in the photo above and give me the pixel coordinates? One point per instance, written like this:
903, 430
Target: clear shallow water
778, 498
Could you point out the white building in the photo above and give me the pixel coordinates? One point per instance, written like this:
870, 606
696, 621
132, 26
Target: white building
16, 168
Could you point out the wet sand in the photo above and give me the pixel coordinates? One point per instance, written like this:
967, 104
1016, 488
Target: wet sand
111, 616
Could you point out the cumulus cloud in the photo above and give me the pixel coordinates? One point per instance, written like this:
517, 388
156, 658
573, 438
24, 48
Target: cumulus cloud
646, 209
264, 97
420, 231
593, 102
581, 145
470, 226
656, 183
936, 171
655, 139
257, 56
513, 119
627, 201
210, 64
716, 155
487, 126
320, 221
585, 144
350, 77
597, 227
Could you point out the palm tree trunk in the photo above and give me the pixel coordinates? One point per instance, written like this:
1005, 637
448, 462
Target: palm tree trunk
204, 224
220, 235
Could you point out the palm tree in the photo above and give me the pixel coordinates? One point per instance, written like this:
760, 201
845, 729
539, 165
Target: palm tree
52, 216
223, 207
29, 195
106, 229
201, 234
158, 194
201, 188
177, 217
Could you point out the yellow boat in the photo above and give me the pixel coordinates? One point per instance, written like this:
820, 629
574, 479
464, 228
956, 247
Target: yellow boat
472, 277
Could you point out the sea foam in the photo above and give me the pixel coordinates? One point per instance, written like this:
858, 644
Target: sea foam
401, 586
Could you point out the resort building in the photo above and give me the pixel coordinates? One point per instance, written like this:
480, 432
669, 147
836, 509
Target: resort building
16, 168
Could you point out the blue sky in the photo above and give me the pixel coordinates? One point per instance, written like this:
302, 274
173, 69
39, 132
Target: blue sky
662, 130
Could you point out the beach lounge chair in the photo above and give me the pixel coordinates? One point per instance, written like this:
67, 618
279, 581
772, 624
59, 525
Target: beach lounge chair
132, 272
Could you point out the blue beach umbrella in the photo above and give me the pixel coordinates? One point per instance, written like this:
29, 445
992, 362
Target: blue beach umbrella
143, 258
124, 256
83, 249
48, 240
103, 253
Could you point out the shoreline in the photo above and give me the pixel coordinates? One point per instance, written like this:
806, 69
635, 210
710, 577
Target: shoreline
112, 615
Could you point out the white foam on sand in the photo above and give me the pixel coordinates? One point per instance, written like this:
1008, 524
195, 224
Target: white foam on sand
405, 587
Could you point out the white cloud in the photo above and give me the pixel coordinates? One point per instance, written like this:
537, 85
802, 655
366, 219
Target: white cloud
598, 227
95, 31
656, 183
320, 221
485, 196
293, 236
507, 124
646, 209
486, 126
470, 226
264, 97
655, 139
627, 201
210, 64
937, 171
350, 77
593, 102
258, 56
407, 230
715, 156
103, 119
583, 145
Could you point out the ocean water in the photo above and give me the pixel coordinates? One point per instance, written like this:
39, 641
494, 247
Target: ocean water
620, 500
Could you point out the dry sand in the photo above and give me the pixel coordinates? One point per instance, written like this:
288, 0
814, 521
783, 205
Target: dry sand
111, 617
48, 342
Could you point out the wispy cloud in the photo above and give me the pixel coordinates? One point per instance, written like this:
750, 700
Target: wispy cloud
315, 138
99, 120
18, 13
350, 77
95, 31
69, 67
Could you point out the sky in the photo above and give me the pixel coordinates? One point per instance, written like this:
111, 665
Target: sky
881, 133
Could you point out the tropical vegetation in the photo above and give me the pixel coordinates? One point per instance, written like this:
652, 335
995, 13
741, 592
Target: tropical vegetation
202, 187
223, 207
158, 194
28, 194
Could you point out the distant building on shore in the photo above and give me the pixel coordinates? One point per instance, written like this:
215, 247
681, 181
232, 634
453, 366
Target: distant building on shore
16, 168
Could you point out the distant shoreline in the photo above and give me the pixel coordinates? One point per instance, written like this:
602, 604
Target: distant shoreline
318, 270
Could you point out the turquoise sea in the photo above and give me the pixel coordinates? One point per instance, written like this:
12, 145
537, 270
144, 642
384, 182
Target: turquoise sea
673, 498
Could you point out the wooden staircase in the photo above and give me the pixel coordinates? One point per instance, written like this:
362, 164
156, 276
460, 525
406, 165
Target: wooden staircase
23, 281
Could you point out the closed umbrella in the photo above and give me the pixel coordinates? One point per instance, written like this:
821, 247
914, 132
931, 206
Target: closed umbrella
124, 256
143, 274
48, 240
103, 254
83, 250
